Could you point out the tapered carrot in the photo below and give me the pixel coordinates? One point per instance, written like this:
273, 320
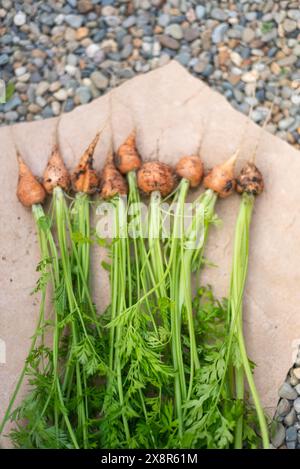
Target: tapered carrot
56, 173
84, 177
127, 158
29, 190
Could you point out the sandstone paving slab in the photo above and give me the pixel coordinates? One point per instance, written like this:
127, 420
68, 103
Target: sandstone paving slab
173, 113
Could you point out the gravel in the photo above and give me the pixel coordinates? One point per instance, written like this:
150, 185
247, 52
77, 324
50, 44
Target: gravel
287, 416
63, 43
287, 391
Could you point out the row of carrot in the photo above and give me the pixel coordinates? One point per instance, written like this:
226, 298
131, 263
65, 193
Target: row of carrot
159, 368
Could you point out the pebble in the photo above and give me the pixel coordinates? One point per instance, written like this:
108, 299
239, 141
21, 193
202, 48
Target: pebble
174, 30
289, 25
74, 21
278, 435
291, 434
286, 391
91, 50
99, 80
283, 407
248, 35
169, 42
42, 87
219, 33
284, 124
129, 22
218, 14
12, 104
297, 387
250, 77
20, 18
290, 418
4, 59
163, 20
190, 34
83, 94
297, 405
200, 12
61, 95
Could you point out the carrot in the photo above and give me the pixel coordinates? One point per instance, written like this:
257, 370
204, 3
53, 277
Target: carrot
190, 168
84, 177
29, 190
221, 178
56, 173
156, 176
112, 181
250, 180
127, 158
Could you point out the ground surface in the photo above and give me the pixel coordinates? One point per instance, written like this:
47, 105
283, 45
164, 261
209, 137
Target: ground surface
60, 54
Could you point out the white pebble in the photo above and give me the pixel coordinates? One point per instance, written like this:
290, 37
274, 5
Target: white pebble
250, 77
61, 95
20, 18
55, 106
91, 50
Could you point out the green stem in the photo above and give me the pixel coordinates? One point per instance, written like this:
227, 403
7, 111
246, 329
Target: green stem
238, 280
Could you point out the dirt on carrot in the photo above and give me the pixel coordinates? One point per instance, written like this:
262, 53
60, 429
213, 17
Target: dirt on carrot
156, 176
84, 177
56, 173
112, 181
221, 178
250, 180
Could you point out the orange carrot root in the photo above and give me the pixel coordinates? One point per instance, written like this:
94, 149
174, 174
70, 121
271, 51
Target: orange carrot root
190, 168
156, 176
112, 181
221, 178
84, 178
250, 180
29, 190
127, 158
56, 174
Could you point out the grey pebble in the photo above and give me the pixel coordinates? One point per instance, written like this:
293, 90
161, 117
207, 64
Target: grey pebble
126, 51
4, 59
11, 116
75, 21
283, 408
200, 12
129, 22
290, 418
99, 80
183, 58
297, 405
83, 94
12, 104
278, 434
219, 14
286, 390
169, 42
291, 434
284, 124
174, 30
289, 25
163, 20
219, 33
190, 34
